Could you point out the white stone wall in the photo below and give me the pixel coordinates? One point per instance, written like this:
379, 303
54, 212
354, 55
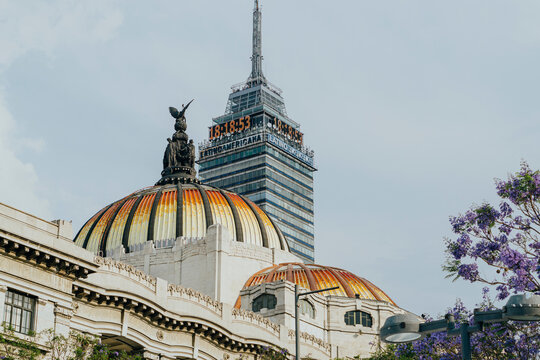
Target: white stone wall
121, 301
216, 265
329, 321
126, 305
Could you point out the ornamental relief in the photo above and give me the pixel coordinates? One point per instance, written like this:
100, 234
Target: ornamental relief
178, 290
132, 272
255, 318
311, 338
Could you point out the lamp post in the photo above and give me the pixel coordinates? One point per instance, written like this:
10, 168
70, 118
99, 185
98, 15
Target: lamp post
403, 328
296, 318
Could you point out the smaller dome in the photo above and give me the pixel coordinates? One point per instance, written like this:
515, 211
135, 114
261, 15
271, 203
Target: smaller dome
317, 277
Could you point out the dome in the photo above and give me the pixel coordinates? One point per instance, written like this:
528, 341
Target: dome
317, 277
165, 212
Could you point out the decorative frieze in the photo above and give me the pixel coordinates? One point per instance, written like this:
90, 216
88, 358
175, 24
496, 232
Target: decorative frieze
127, 270
190, 294
309, 338
254, 318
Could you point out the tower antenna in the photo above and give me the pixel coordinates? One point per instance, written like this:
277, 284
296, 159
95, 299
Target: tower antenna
256, 76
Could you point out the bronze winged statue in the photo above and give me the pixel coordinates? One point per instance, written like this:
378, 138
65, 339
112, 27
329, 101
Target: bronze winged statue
179, 157
179, 114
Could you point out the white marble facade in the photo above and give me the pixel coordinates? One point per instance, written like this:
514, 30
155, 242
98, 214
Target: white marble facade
175, 303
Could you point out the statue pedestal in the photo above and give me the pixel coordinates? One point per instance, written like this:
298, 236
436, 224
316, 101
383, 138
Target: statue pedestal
178, 174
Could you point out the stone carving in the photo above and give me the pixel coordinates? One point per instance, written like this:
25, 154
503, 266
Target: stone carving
159, 335
306, 337
192, 294
126, 269
254, 318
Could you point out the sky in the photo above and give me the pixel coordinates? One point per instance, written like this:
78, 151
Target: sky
412, 107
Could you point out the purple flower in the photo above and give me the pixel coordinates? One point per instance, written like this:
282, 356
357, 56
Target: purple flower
468, 272
502, 292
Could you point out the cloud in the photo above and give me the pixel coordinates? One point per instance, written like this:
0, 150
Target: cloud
19, 183
45, 27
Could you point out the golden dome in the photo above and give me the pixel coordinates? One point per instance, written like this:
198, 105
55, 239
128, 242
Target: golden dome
317, 277
164, 213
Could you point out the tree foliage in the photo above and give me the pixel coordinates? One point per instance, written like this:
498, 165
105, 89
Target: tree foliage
76, 346
505, 239
498, 341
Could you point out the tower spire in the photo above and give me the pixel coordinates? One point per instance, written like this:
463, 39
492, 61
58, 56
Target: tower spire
256, 76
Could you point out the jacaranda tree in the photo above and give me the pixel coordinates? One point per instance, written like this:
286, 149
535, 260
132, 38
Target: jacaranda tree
505, 241
504, 238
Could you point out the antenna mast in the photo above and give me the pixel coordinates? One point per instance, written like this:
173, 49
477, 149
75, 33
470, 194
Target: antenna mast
256, 76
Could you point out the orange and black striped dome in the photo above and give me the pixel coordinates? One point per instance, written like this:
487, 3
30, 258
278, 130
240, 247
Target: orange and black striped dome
165, 213
317, 277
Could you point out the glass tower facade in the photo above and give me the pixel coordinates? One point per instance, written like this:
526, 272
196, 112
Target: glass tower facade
257, 151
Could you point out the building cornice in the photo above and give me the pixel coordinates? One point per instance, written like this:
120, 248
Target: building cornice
161, 318
13, 246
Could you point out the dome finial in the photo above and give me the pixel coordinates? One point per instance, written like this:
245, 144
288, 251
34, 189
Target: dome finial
179, 157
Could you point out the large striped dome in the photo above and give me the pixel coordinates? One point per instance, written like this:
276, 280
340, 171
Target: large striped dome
317, 277
167, 212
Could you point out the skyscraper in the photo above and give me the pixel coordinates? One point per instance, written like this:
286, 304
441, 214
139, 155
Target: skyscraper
256, 150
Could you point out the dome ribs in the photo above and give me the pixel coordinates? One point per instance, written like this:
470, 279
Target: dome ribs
76, 239
103, 244
319, 277
237, 223
310, 278
259, 220
369, 286
179, 205
342, 281
290, 276
357, 285
283, 243
127, 226
165, 221
377, 291
152, 219
250, 226
272, 274
221, 211
173, 211
326, 280
206, 205
94, 225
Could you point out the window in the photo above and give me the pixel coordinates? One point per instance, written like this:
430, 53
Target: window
306, 308
358, 317
19, 311
264, 301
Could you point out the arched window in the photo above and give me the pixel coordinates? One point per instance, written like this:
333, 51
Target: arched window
356, 317
264, 301
306, 308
